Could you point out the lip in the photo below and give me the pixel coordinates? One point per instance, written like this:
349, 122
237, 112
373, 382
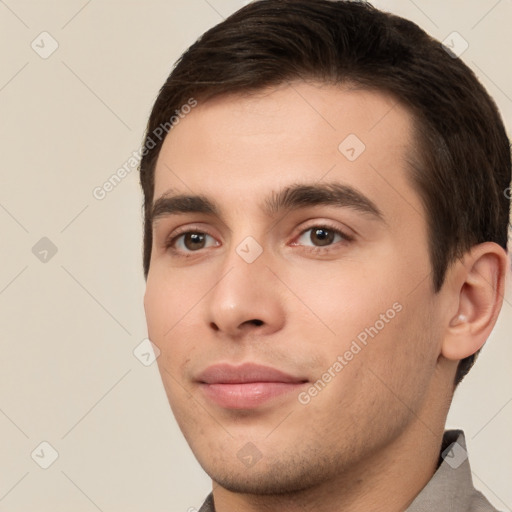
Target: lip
246, 386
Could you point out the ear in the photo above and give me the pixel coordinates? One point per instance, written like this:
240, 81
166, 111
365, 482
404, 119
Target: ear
477, 284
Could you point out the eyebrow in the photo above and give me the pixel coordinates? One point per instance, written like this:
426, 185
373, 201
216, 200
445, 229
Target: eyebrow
293, 197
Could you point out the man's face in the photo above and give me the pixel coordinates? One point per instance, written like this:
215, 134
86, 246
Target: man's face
332, 290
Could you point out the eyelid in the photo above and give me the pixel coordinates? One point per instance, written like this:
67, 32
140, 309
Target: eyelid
172, 237
315, 223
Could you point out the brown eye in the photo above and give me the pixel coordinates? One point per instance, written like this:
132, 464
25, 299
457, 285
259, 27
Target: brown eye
322, 236
190, 241
194, 241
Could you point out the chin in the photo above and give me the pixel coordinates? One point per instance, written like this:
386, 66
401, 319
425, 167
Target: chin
281, 477
263, 484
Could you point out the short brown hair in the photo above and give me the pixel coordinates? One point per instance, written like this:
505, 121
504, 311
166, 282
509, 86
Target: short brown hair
463, 166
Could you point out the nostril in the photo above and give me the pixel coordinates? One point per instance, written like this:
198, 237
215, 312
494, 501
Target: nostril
257, 322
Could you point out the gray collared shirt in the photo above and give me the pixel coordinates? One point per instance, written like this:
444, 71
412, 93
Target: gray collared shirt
449, 490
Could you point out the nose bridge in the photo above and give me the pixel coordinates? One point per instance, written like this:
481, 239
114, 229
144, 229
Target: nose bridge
246, 255
243, 272
244, 294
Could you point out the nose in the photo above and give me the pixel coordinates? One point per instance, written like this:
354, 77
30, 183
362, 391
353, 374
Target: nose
245, 300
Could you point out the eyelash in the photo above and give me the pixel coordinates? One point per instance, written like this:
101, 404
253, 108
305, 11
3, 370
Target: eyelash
345, 239
169, 243
171, 240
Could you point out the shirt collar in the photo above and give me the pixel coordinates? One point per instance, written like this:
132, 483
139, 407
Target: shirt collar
451, 487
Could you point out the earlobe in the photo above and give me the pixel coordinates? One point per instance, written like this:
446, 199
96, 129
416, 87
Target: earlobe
478, 285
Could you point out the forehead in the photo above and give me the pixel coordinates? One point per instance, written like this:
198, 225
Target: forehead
237, 148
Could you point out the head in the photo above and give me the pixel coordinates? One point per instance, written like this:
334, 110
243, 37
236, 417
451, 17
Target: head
286, 117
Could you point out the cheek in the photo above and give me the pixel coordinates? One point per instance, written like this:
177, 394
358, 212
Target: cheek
348, 298
165, 317
162, 317
157, 304
401, 359
375, 316
166, 302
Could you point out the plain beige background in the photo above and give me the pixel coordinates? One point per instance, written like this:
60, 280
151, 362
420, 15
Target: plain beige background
70, 324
